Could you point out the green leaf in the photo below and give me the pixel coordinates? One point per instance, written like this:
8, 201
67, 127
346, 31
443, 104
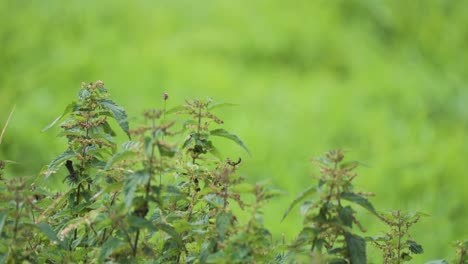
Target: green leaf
167, 151
55, 164
356, 248
118, 113
3, 216
214, 200
48, 231
128, 149
351, 165
84, 94
108, 247
131, 183
220, 105
346, 216
360, 200
223, 221
188, 141
414, 247
223, 133
139, 222
108, 129
70, 108
308, 192
175, 109
168, 229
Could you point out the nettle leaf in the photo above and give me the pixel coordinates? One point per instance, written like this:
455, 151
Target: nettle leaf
223, 222
352, 164
48, 231
225, 134
139, 222
102, 89
170, 230
108, 247
84, 94
356, 248
308, 192
360, 200
118, 113
346, 216
214, 200
55, 164
108, 129
3, 216
175, 109
167, 151
414, 247
220, 105
131, 183
70, 108
128, 150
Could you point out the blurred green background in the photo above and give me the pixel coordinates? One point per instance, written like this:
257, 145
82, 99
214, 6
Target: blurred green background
386, 79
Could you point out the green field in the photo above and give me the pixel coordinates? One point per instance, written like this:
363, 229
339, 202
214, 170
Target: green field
384, 79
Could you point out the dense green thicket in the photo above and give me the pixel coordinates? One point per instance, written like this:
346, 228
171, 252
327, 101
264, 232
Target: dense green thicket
384, 79
169, 196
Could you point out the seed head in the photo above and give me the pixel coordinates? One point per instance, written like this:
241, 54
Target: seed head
165, 96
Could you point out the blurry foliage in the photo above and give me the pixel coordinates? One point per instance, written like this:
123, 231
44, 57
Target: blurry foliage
385, 79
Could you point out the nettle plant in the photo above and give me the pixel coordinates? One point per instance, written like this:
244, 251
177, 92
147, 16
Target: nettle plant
397, 245
164, 197
328, 233
169, 196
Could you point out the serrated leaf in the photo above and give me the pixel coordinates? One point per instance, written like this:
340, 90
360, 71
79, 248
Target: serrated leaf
55, 164
214, 200
220, 105
308, 192
128, 150
70, 108
84, 93
139, 222
117, 186
360, 200
170, 230
175, 109
102, 89
3, 216
223, 221
48, 231
225, 134
346, 216
131, 183
188, 141
351, 165
118, 113
167, 151
108, 247
414, 247
356, 246
108, 129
